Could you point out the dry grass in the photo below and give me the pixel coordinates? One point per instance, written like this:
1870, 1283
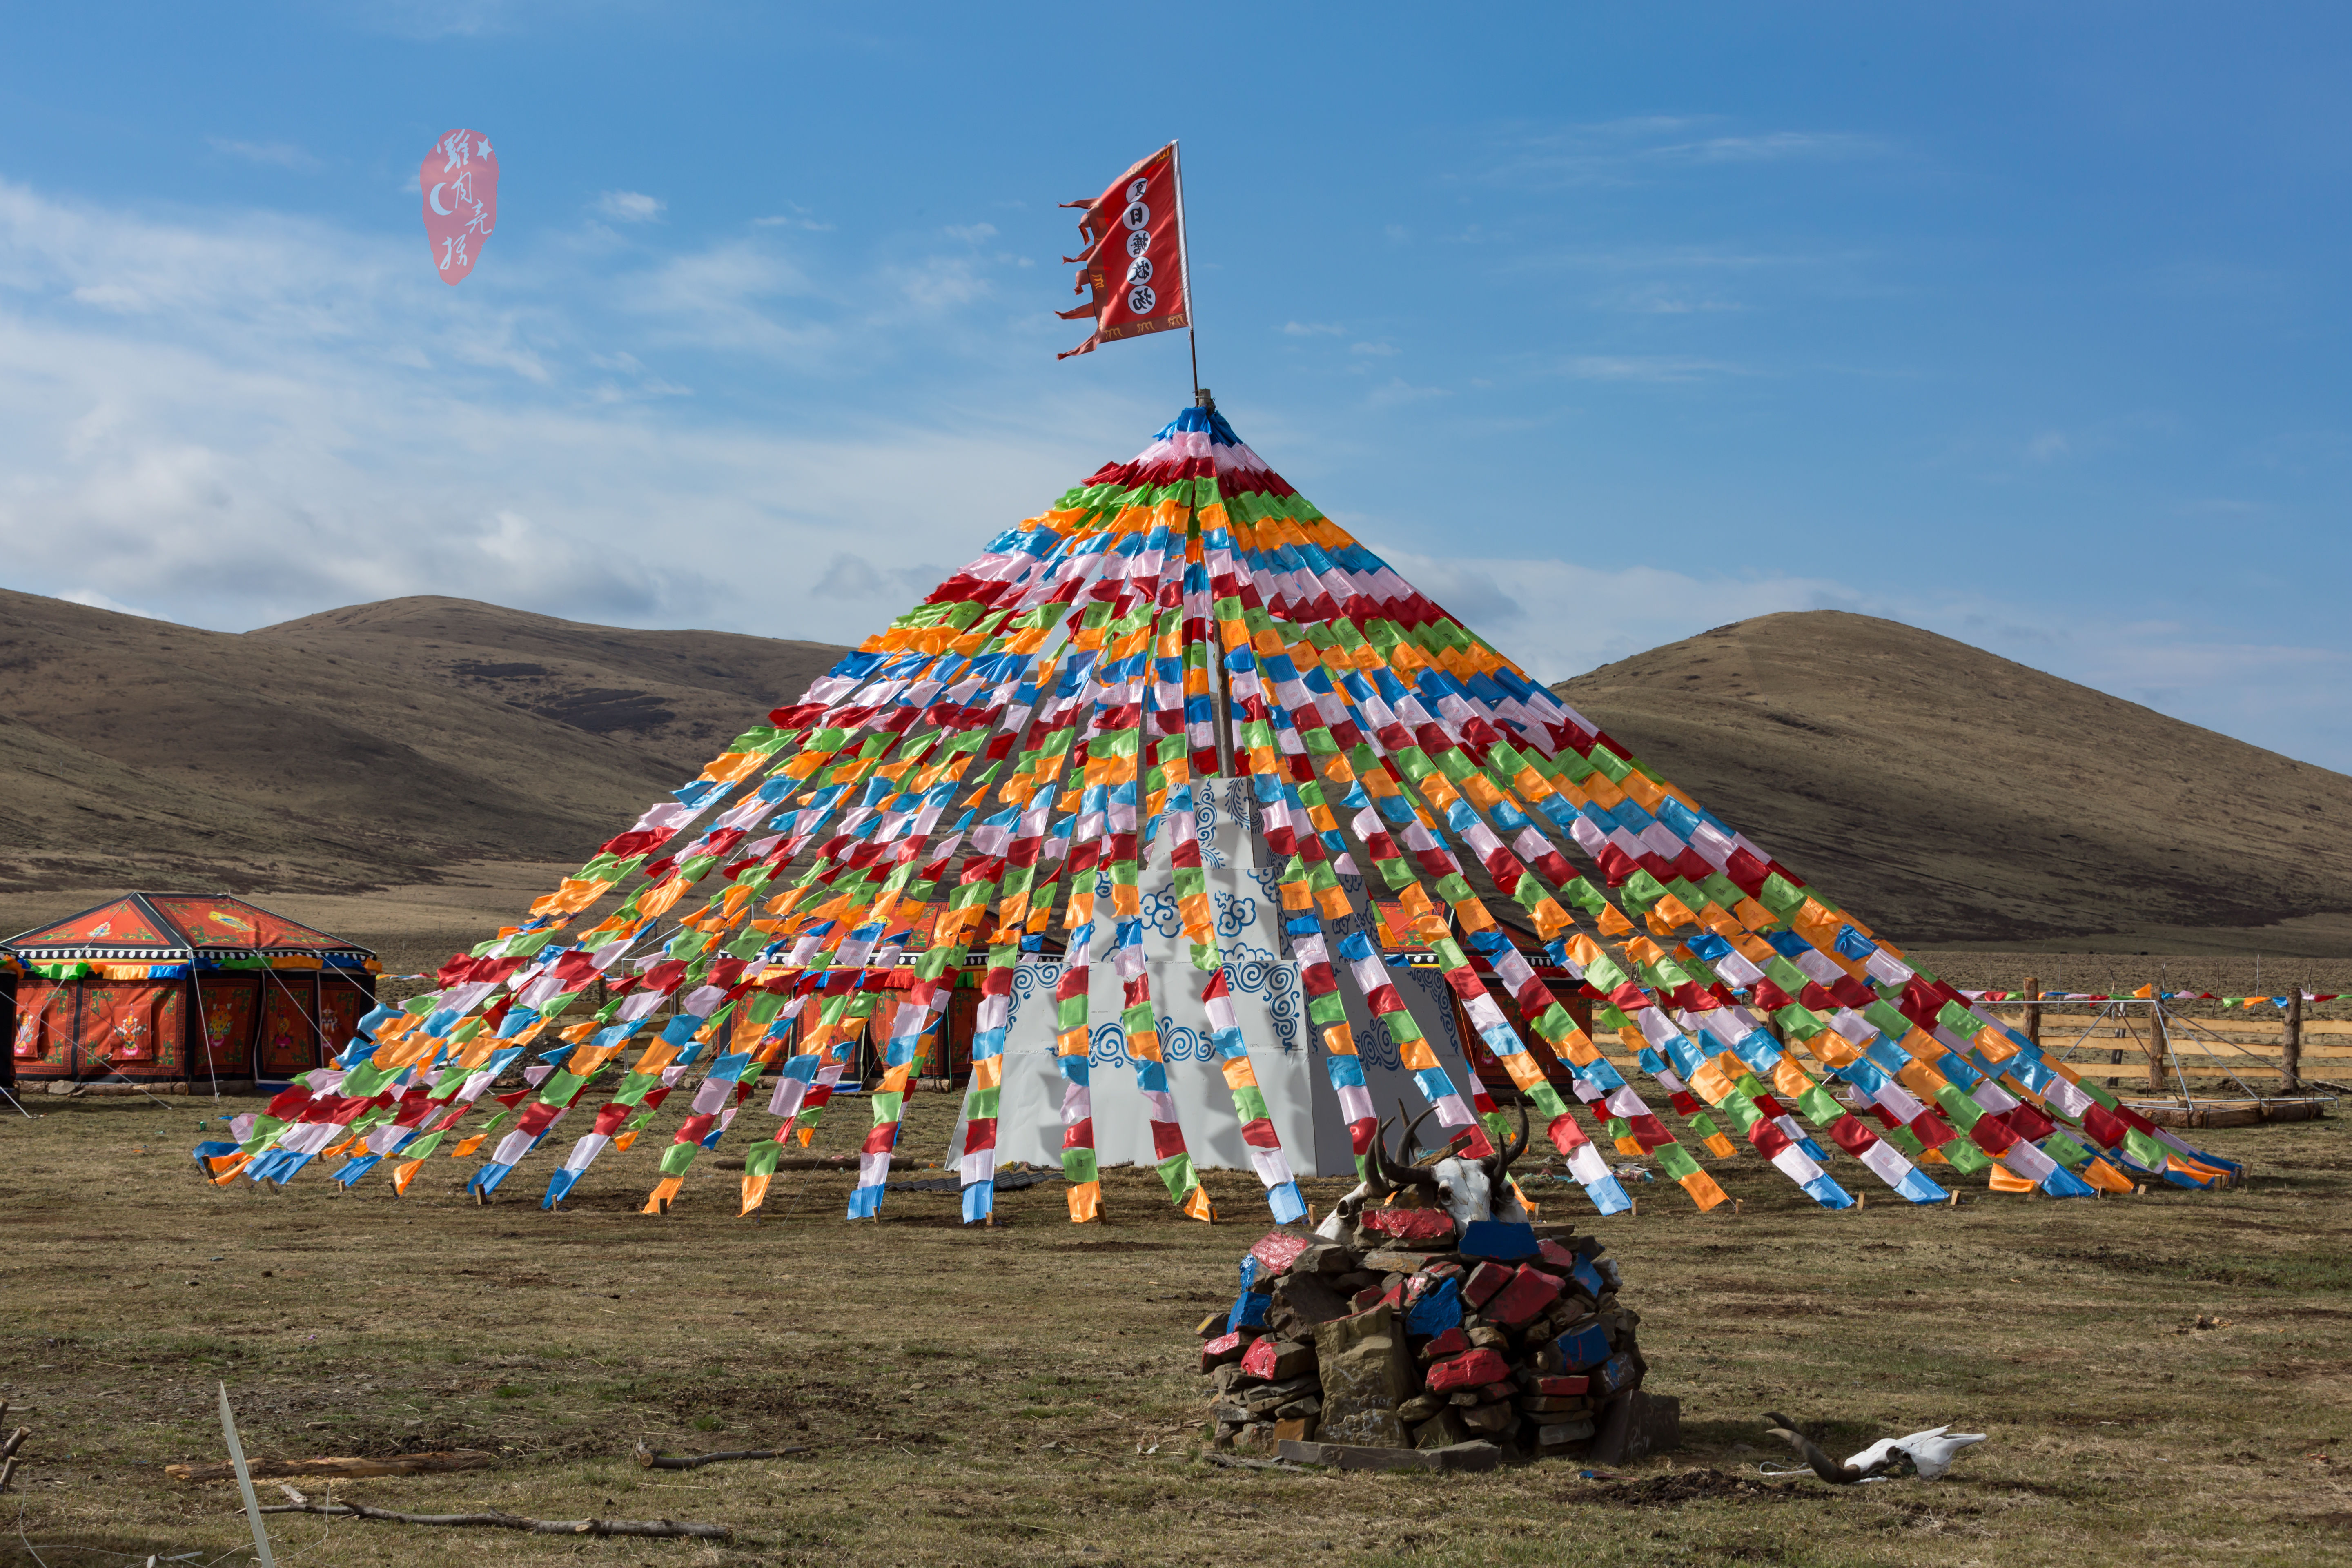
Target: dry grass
980, 1398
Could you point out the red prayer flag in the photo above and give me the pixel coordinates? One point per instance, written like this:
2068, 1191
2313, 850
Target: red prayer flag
1134, 255
459, 181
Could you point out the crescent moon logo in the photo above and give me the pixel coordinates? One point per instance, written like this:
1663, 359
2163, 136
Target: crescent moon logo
433, 200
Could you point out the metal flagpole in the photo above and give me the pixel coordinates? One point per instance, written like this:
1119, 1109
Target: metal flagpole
1184, 260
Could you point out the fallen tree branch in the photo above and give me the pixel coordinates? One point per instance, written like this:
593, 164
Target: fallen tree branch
8, 1450
337, 1469
1233, 1462
670, 1528
653, 1461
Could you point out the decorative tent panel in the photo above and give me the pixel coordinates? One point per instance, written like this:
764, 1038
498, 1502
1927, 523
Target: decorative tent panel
231, 1003
288, 1041
1190, 724
45, 1019
126, 922
222, 921
130, 1026
82, 1029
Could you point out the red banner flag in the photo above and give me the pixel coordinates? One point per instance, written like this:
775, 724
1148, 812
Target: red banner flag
1134, 256
459, 179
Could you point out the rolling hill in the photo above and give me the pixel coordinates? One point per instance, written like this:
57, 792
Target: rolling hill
1945, 794
360, 747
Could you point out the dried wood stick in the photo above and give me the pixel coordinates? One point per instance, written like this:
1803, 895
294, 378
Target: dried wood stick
652, 1527
1232, 1462
654, 1462
8, 1451
338, 1469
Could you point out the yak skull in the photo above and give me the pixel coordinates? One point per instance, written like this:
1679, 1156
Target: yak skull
1467, 1190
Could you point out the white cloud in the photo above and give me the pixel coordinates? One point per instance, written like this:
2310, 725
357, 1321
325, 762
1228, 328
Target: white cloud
236, 421
97, 600
1313, 330
1771, 147
279, 154
1640, 149
1556, 618
1645, 367
629, 206
972, 234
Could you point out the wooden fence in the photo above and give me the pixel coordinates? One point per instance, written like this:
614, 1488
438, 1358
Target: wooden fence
2207, 1050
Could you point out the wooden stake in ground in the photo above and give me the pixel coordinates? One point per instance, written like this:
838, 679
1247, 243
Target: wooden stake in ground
245, 1482
2033, 1013
2290, 1042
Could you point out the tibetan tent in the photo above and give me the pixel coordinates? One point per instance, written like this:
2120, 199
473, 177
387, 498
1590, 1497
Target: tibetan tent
1243, 838
167, 990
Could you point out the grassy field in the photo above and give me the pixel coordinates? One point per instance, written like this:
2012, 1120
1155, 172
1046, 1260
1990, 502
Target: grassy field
995, 1396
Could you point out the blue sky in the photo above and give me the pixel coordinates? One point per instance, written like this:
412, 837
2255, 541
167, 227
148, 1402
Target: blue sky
2021, 323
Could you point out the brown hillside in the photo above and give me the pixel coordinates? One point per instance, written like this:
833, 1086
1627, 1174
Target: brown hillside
376, 744
677, 696
1946, 794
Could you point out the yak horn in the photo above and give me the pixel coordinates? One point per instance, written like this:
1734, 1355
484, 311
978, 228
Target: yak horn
1410, 1142
1829, 1469
1403, 1172
1498, 1164
1377, 1181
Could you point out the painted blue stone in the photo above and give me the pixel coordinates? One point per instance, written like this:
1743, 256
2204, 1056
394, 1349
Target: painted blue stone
1499, 1240
1249, 1311
1588, 1277
1587, 1346
1612, 1374
1436, 1311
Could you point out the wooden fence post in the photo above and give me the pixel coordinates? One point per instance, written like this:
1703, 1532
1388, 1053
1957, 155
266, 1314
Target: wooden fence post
2291, 1048
2155, 1049
2032, 1014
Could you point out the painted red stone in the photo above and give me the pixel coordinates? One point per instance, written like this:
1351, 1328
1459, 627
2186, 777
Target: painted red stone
1221, 1349
1559, 1387
1278, 1249
1453, 1341
1411, 1226
1528, 1293
1483, 1281
1473, 1370
1559, 1256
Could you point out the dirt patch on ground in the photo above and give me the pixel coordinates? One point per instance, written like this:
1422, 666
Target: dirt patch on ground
926, 1368
1697, 1486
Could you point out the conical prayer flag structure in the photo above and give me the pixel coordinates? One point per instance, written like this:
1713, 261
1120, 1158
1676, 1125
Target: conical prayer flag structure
1227, 825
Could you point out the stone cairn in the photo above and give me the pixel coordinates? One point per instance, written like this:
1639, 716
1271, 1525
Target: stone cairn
1504, 1333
